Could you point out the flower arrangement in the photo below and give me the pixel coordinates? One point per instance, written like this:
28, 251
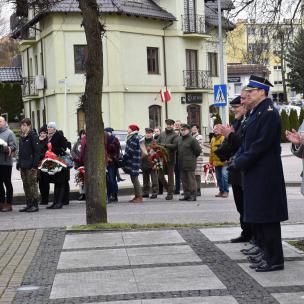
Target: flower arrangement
51, 164
209, 174
79, 177
158, 156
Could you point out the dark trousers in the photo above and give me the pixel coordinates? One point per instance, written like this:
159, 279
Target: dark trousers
239, 203
112, 181
6, 180
168, 185
59, 193
271, 242
147, 174
66, 197
189, 183
177, 176
44, 188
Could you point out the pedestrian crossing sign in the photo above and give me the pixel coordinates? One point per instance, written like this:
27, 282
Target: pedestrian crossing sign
220, 95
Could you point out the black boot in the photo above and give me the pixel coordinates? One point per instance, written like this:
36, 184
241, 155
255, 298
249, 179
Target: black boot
28, 206
33, 208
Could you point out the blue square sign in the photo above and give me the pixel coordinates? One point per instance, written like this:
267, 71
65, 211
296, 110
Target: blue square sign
220, 95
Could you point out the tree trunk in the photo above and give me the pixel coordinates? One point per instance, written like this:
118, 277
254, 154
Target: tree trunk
96, 210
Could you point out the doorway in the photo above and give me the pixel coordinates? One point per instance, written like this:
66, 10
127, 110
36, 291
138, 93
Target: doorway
194, 115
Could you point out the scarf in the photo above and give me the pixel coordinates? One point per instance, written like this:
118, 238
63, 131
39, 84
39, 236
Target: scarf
129, 136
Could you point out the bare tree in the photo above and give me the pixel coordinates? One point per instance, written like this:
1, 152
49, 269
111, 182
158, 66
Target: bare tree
96, 211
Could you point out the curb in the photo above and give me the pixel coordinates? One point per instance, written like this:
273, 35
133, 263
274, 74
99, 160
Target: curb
19, 198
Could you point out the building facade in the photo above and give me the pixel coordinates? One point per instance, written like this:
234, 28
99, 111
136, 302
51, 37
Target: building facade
148, 45
252, 43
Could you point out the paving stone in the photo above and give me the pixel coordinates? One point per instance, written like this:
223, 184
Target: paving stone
289, 298
233, 251
152, 237
84, 284
292, 275
162, 254
176, 278
93, 258
93, 240
188, 300
221, 234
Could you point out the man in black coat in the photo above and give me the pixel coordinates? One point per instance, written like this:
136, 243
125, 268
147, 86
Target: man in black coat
259, 158
233, 141
28, 158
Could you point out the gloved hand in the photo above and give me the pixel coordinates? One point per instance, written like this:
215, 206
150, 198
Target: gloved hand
17, 166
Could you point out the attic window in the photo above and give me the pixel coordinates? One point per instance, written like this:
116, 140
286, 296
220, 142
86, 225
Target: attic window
135, 1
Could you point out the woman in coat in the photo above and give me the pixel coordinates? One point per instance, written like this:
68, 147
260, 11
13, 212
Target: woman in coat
59, 146
132, 160
199, 169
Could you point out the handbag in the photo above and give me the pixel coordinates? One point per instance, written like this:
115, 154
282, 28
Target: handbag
68, 160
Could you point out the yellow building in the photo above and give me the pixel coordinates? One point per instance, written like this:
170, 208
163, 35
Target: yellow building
147, 45
262, 43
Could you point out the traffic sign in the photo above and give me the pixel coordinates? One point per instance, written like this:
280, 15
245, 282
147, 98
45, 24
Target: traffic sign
220, 95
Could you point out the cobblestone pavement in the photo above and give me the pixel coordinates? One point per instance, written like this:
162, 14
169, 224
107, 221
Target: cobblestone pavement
183, 266
17, 249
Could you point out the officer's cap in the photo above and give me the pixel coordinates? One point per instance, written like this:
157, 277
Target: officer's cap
169, 121
257, 82
185, 126
236, 101
148, 130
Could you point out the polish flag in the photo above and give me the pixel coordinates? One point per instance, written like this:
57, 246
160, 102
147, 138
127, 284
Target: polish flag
165, 94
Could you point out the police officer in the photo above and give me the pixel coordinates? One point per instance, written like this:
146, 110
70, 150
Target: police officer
265, 202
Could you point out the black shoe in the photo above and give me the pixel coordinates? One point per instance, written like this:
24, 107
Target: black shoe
253, 252
32, 209
57, 206
192, 198
169, 197
265, 267
248, 249
240, 239
255, 259
257, 264
113, 199
146, 195
66, 203
24, 209
176, 192
153, 196
160, 192
82, 197
119, 179
44, 203
198, 193
187, 198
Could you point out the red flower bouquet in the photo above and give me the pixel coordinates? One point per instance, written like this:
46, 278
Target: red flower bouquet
79, 177
158, 156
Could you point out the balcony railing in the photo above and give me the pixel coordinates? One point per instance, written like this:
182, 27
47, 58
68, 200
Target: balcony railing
29, 86
197, 79
193, 24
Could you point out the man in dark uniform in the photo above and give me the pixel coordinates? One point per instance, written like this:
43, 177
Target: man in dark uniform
233, 141
259, 158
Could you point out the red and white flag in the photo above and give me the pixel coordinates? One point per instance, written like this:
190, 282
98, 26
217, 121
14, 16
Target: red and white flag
165, 94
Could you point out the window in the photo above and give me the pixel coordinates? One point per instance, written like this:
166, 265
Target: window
154, 116
212, 63
251, 30
237, 88
30, 67
278, 82
152, 60
277, 67
33, 120
80, 58
264, 31
38, 119
36, 65
80, 119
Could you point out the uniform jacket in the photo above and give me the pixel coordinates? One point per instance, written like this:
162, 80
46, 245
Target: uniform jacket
260, 160
199, 169
213, 158
9, 137
169, 138
188, 150
29, 151
132, 156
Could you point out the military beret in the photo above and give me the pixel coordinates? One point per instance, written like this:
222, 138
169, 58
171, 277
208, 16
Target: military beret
149, 130
169, 121
185, 126
236, 101
257, 82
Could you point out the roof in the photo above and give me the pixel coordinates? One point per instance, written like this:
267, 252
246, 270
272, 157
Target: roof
13, 74
225, 4
140, 8
247, 69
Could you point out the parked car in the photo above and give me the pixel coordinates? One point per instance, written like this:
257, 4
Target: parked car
122, 137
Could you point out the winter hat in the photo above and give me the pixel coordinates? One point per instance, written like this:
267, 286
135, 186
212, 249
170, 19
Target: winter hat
109, 130
52, 124
134, 127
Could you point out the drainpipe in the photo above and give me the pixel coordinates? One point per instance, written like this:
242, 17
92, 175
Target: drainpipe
165, 64
28, 81
43, 91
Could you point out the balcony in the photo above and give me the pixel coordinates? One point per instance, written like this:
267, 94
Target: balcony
197, 79
29, 86
193, 24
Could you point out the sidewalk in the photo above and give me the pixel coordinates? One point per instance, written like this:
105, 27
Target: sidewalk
157, 266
